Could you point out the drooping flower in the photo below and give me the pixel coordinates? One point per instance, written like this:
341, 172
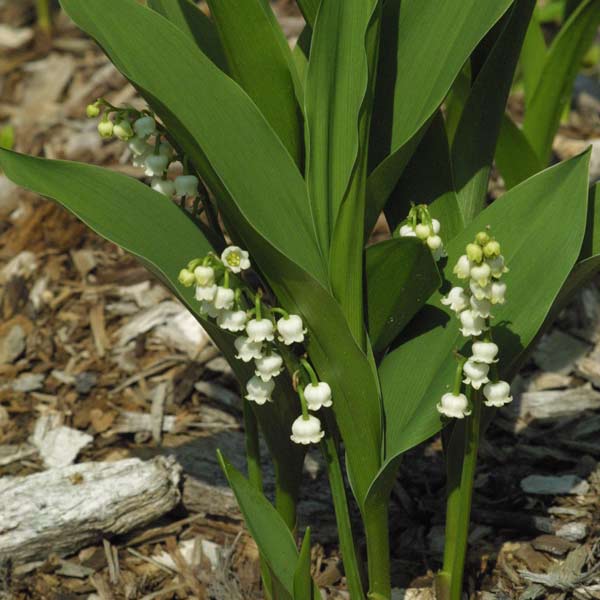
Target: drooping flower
224, 298
123, 130
206, 292
318, 395
407, 231
247, 350
497, 292
480, 293
456, 299
155, 165
186, 278
139, 147
423, 231
481, 307
462, 268
232, 320
472, 324
454, 405
497, 266
481, 274
186, 185
259, 391
235, 259
497, 394
208, 308
476, 374
484, 352
268, 366
435, 225
204, 275
291, 329
144, 127
106, 128
163, 186
307, 430
260, 330
92, 110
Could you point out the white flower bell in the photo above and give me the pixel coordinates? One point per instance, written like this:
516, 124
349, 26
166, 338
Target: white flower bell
435, 225
307, 430
186, 185
163, 186
485, 352
407, 231
232, 320
268, 366
481, 307
224, 298
204, 275
235, 259
291, 330
206, 293
497, 394
139, 160
260, 330
208, 308
434, 242
480, 293
481, 274
497, 266
423, 231
472, 324
454, 405
259, 391
318, 395
138, 146
476, 374
497, 292
144, 127
156, 165
462, 268
247, 350
456, 299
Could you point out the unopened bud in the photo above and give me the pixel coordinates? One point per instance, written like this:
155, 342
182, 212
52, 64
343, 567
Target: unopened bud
123, 130
482, 238
105, 128
186, 278
92, 110
491, 249
423, 231
475, 253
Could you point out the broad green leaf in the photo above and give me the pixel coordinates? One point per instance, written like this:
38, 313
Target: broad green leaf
475, 139
553, 90
192, 21
456, 99
531, 221
515, 158
424, 45
401, 275
261, 190
260, 60
533, 56
268, 530
303, 584
309, 9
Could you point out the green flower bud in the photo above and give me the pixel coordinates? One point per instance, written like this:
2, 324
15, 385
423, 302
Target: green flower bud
423, 231
92, 110
482, 238
491, 249
123, 130
186, 278
105, 128
475, 253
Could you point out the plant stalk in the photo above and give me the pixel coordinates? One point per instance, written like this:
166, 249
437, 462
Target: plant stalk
44, 19
377, 533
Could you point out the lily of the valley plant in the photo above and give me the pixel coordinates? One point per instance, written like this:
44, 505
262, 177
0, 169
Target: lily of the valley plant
262, 173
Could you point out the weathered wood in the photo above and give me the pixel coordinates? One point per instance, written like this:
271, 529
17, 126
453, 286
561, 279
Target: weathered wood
62, 510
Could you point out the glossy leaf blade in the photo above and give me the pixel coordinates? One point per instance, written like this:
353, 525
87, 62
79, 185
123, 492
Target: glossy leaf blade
401, 275
533, 56
303, 584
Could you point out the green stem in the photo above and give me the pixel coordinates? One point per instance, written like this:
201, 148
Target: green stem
376, 524
44, 20
342, 516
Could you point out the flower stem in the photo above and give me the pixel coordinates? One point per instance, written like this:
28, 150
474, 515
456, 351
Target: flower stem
376, 524
44, 20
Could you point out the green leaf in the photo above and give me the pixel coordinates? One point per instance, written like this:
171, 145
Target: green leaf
267, 528
261, 61
424, 45
474, 143
531, 221
553, 91
263, 191
533, 56
456, 99
309, 9
7, 137
303, 584
515, 158
401, 275
192, 21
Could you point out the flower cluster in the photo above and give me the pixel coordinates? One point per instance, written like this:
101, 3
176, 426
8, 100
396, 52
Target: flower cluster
483, 266
264, 338
419, 224
149, 148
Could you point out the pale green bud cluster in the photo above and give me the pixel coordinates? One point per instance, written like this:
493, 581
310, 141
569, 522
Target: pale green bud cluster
419, 224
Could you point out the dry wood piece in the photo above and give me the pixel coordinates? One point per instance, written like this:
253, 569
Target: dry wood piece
61, 510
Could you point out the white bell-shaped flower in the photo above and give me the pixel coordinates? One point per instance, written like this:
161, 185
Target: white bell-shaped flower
454, 405
435, 225
260, 330
484, 352
407, 231
139, 160
497, 266
206, 292
156, 165
318, 395
456, 299
186, 185
163, 186
291, 330
208, 308
423, 231
224, 298
497, 394
434, 242
232, 320
462, 268
497, 292
476, 374
259, 391
144, 127
480, 293
138, 146
204, 275
481, 307
123, 130
246, 349
307, 430
268, 366
481, 274
472, 324
235, 259
165, 149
